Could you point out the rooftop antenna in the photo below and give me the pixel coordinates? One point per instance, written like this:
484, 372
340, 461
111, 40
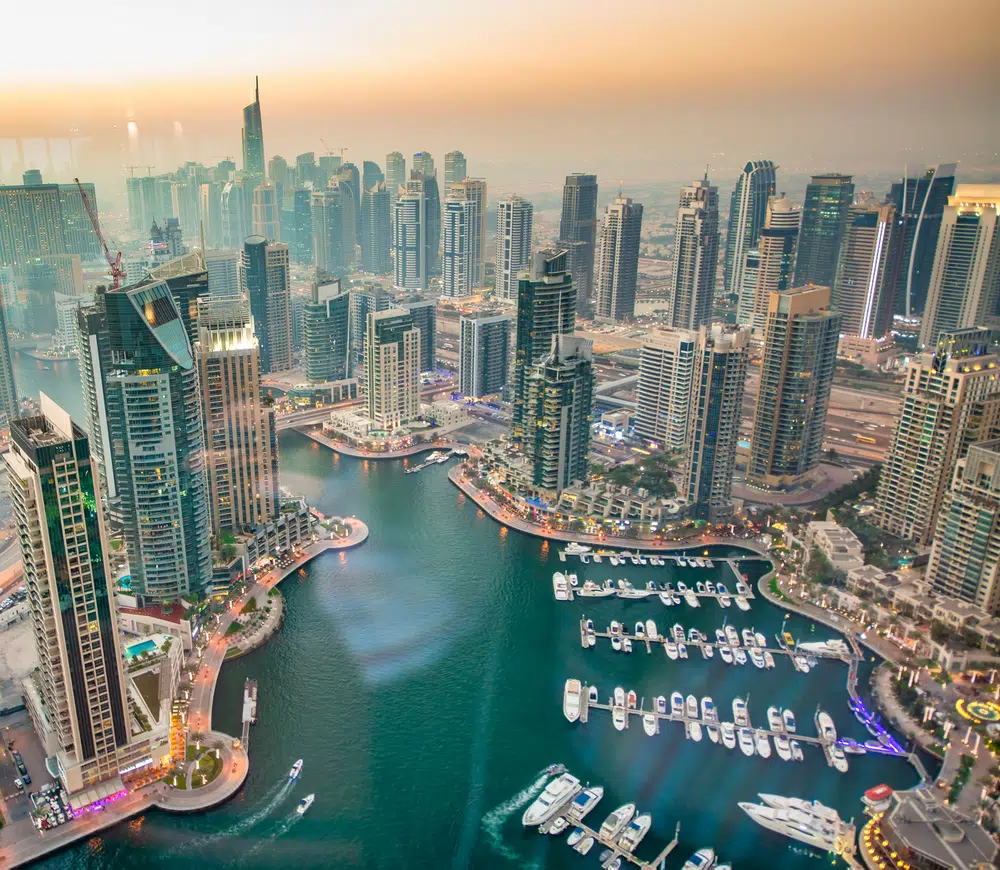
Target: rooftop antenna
256, 89
706, 172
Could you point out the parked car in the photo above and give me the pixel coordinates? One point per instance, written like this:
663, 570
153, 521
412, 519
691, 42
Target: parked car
22, 769
27, 779
19, 784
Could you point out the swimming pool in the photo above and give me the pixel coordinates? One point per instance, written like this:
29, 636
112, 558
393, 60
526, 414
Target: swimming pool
137, 649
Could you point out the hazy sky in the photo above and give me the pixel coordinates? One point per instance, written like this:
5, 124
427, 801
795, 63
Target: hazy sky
528, 89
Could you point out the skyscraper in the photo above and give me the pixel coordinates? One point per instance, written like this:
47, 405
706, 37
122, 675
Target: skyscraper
253, 138
964, 561
327, 231
424, 314
278, 173
376, 230
578, 223
302, 241
965, 282
618, 261
484, 353
392, 369
557, 423
546, 306
455, 168
350, 184
666, 376
155, 434
265, 280
236, 212
747, 210
824, 219
696, 256
513, 252
457, 261
775, 260
368, 299
920, 204
241, 446
95, 363
223, 272
305, 169
800, 349
371, 175
409, 226
77, 229
720, 371
423, 163
326, 332
267, 212
424, 182
395, 173
868, 270
31, 223
77, 697
474, 190
950, 400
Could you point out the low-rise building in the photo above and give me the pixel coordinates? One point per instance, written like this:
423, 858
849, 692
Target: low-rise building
444, 412
618, 502
839, 544
156, 619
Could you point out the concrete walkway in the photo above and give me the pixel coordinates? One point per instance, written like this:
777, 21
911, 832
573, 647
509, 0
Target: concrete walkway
347, 450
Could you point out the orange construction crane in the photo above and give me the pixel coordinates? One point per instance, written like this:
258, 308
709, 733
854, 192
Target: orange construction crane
115, 262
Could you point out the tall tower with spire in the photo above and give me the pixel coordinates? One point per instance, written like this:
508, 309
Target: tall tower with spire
253, 138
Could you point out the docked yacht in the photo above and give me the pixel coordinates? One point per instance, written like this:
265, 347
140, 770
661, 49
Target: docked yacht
757, 658
618, 709
742, 588
745, 738
616, 642
724, 599
555, 796
789, 719
728, 735
649, 724
693, 730
575, 549
694, 636
584, 802
651, 631
703, 859
666, 598
774, 719
707, 650
762, 743
824, 724
761, 640
635, 830
571, 699
661, 704
575, 836
768, 660
713, 732
835, 647
691, 708
801, 663
640, 630
726, 654
691, 599
810, 823
709, 563
740, 714
584, 846
748, 638
732, 636
630, 703
614, 823
700, 588
838, 759
614, 558
626, 644
643, 560
678, 632
305, 803
797, 751
708, 711
592, 694
682, 651
740, 655
591, 634
671, 649
783, 746
560, 585
710, 587
742, 603
676, 704
616, 627
720, 636
558, 826
590, 589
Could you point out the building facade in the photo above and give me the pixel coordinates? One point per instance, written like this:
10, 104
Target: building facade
457, 262
824, 220
253, 138
473, 190
455, 168
513, 247
266, 213
747, 211
666, 379
775, 262
618, 260
376, 230
409, 242
326, 332
392, 369
484, 353
266, 281
424, 313
578, 229
326, 220
395, 173
696, 256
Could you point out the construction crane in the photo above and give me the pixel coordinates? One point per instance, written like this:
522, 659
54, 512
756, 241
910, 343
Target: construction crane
115, 262
330, 151
132, 169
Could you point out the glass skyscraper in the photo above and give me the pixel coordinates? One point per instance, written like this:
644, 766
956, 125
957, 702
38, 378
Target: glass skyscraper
824, 220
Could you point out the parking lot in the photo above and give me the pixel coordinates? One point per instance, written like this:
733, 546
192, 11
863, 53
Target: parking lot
17, 730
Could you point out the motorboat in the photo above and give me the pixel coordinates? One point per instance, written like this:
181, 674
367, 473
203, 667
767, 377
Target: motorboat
635, 830
698, 561
722, 589
682, 651
615, 865
740, 714
643, 560
838, 759
797, 751
732, 636
691, 707
591, 637
825, 726
761, 640
742, 588
305, 803
571, 700
703, 859
661, 704
592, 695
835, 647
757, 658
763, 744
851, 747
739, 654
651, 588
694, 636
631, 699
681, 585
774, 719
709, 563
676, 704
296, 770
742, 603
614, 559
678, 632
726, 654
635, 558
618, 709
560, 586
801, 663
676, 599
671, 649
575, 836
783, 746
748, 638
558, 826
789, 719
590, 589
728, 735
666, 599
708, 711
616, 627
616, 822
707, 650
724, 599
768, 660
810, 823
681, 562
573, 581
693, 730
786, 640
651, 630
552, 799
640, 630
720, 636
700, 588
626, 644
597, 558
649, 723
691, 599
616, 642
589, 625
585, 845
575, 549
710, 587
713, 732
745, 738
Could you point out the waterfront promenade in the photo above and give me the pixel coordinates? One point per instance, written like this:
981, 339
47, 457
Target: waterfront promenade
361, 453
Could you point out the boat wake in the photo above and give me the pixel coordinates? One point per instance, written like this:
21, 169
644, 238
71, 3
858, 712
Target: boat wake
495, 819
283, 827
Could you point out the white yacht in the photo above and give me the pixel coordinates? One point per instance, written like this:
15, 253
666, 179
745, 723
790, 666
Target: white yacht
575, 836
671, 649
676, 704
592, 694
296, 770
614, 823
678, 632
720, 636
748, 638
632, 698
616, 627
724, 599
616, 642
618, 711
762, 743
739, 654
745, 738
824, 724
691, 599
838, 759
774, 719
810, 823
783, 746
742, 603
728, 735
740, 714
560, 586
590, 589
757, 658
768, 660
682, 651
703, 859
761, 640
708, 711
640, 630
584, 802
635, 830
732, 636
305, 803
801, 663
693, 730
575, 549
700, 588
789, 718
666, 598
694, 636
741, 588
661, 704
571, 699
627, 644
797, 751
651, 631
691, 710
558, 826
555, 796
831, 647
649, 724
713, 732
726, 654
707, 650
585, 845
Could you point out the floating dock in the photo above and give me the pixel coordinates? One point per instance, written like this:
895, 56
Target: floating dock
249, 710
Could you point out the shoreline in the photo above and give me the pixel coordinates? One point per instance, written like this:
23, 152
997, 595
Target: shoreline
358, 453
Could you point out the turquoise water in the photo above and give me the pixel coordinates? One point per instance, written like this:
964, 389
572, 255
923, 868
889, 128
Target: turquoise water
420, 678
137, 649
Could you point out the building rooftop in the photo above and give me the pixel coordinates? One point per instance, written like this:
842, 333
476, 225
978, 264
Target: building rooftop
175, 615
939, 832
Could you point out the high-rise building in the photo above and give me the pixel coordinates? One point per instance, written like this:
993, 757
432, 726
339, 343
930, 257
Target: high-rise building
94, 355
513, 254
237, 212
349, 177
423, 163
964, 561
546, 306
716, 408
9, 405
395, 173
474, 190
409, 226
211, 213
392, 369
371, 175
618, 260
425, 184
156, 442
824, 220
76, 697
223, 268
696, 256
578, 223
267, 213
747, 210
143, 207
328, 235
31, 223
457, 267
965, 283
796, 374
557, 423
326, 332
42, 282
424, 313
265, 280
186, 278
66, 309
775, 261
77, 228
868, 270
484, 353
31, 177
370, 298
666, 375
305, 169
278, 173
241, 447
253, 138
302, 241
376, 230
920, 204
950, 400
455, 168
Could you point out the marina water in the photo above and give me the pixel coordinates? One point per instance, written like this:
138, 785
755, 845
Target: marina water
420, 678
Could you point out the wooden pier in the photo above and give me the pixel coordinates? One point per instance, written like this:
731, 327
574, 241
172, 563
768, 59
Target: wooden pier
249, 711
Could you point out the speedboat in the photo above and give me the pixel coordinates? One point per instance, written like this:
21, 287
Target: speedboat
824, 724
797, 751
555, 796
590, 589
710, 587
597, 558
740, 655
681, 586
768, 660
678, 632
726, 654
651, 631
691, 709
681, 562
618, 709
783, 746
700, 587
732, 636
575, 549
722, 589
631, 699
703, 859
591, 637
757, 658
761, 640
728, 735
614, 559
742, 603
626, 644
740, 714
774, 719
707, 650
805, 824
694, 636
666, 598
742, 588
296, 770
584, 802
635, 830
616, 643
558, 826
713, 732
838, 758
693, 730
676, 704
745, 738
305, 803
616, 864
560, 586
643, 560
616, 627
682, 651
571, 700
801, 663
575, 836
691, 599
640, 630
724, 599
649, 723
661, 704
720, 636
671, 650
748, 638
614, 823
763, 744
789, 718
708, 711
592, 694
585, 845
